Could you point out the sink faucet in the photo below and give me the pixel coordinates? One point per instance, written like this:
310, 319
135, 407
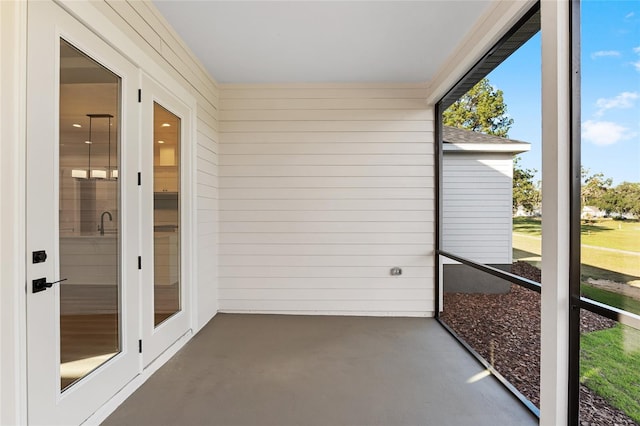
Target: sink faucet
102, 221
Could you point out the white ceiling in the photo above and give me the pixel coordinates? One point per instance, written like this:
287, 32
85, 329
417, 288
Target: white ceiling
322, 41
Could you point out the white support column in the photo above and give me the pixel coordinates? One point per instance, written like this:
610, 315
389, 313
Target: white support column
13, 23
556, 122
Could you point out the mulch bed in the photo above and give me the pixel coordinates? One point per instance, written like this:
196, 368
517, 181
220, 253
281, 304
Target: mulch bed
505, 330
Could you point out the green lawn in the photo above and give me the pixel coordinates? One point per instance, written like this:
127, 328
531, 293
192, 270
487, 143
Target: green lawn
616, 234
610, 366
597, 263
610, 298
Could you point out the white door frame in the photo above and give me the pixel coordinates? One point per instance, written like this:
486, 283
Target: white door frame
156, 340
48, 23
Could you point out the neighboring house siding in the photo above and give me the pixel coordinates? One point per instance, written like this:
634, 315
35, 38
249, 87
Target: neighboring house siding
147, 29
323, 189
477, 212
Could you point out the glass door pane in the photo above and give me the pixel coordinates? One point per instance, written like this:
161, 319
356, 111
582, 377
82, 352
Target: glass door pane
166, 213
89, 219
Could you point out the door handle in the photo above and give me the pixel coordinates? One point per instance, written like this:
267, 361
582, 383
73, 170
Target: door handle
41, 284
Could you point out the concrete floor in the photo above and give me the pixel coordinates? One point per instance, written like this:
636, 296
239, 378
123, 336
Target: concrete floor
304, 370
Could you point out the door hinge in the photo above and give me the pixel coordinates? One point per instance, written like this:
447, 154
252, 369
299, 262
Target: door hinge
139, 262
140, 346
139, 178
139, 95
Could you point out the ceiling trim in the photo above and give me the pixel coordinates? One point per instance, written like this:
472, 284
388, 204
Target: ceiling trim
489, 29
423, 85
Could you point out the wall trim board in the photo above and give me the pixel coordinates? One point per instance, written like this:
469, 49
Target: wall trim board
399, 314
13, 66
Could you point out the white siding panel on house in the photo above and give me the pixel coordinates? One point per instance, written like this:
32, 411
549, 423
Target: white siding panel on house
329, 137
476, 201
327, 182
325, 216
322, 191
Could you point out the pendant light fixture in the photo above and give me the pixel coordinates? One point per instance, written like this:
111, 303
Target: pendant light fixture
89, 173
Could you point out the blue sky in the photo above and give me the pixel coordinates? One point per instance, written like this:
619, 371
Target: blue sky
610, 91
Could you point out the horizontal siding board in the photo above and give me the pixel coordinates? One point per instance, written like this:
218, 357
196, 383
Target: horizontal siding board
326, 238
470, 175
324, 126
302, 137
461, 232
326, 193
324, 261
327, 182
206, 153
334, 204
205, 128
328, 160
140, 25
326, 250
326, 115
326, 294
475, 198
309, 227
207, 204
477, 241
321, 271
491, 215
208, 228
322, 104
326, 148
312, 227
207, 191
498, 183
327, 216
401, 282
468, 221
321, 171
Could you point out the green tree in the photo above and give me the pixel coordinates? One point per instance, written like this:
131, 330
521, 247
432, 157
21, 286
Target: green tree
622, 200
594, 188
481, 109
526, 194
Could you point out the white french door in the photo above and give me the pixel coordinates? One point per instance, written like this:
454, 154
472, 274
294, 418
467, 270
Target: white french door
166, 239
82, 219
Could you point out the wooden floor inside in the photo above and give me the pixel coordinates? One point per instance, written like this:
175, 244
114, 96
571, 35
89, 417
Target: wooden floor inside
90, 327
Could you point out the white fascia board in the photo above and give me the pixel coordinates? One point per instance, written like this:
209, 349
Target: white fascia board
514, 148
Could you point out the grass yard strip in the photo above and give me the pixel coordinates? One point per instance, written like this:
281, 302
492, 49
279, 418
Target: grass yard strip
621, 263
616, 234
610, 298
527, 225
622, 267
610, 366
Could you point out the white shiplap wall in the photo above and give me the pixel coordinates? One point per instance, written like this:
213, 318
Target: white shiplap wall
322, 190
476, 203
147, 29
